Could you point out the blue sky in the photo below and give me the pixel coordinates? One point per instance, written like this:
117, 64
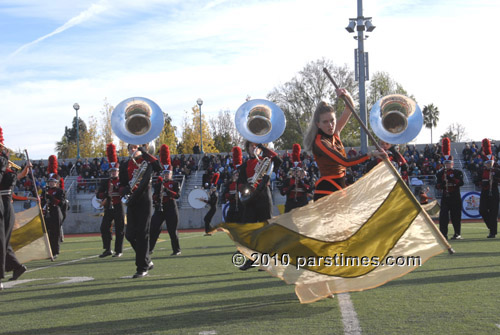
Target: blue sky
56, 53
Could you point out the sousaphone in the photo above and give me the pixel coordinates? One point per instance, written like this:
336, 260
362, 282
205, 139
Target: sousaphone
396, 119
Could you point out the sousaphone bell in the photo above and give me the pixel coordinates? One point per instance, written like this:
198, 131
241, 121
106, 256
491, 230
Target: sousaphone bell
260, 121
396, 119
137, 120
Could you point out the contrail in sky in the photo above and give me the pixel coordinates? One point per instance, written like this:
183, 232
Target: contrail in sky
93, 10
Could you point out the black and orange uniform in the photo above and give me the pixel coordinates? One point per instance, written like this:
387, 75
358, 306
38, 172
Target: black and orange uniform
164, 198
296, 191
8, 178
139, 207
449, 181
488, 202
259, 208
52, 199
109, 190
235, 206
329, 154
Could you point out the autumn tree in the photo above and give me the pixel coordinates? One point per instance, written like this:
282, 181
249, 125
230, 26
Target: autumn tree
66, 147
191, 133
167, 135
299, 97
224, 131
105, 129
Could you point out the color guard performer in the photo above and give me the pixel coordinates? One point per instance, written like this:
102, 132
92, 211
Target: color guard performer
235, 206
489, 178
295, 187
166, 191
138, 170
449, 181
212, 202
8, 178
109, 193
53, 198
323, 140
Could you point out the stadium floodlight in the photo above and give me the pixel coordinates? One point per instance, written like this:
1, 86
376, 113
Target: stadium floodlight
350, 27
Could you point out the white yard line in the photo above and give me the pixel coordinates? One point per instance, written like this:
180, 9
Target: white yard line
349, 315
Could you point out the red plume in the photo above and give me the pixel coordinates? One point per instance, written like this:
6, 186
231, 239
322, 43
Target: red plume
237, 156
296, 153
1, 135
111, 153
446, 146
215, 179
486, 146
165, 155
52, 167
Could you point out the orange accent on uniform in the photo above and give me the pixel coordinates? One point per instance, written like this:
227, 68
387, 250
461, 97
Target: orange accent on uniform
331, 157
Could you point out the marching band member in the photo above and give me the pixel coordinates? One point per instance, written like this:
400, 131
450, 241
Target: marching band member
449, 181
395, 157
138, 169
166, 191
235, 206
323, 140
8, 260
489, 178
295, 187
109, 193
53, 198
212, 202
259, 207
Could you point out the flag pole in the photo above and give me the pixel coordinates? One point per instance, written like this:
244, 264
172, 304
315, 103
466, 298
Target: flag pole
391, 167
39, 204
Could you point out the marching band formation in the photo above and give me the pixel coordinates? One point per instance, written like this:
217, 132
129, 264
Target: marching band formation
142, 191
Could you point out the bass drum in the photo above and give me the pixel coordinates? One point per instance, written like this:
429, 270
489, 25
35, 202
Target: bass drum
97, 203
195, 196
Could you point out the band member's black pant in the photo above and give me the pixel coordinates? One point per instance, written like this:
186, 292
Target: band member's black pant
208, 217
116, 214
138, 225
259, 208
8, 260
451, 207
234, 214
170, 215
295, 203
488, 208
53, 221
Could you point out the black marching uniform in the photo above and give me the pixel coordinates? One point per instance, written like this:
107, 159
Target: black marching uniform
259, 207
165, 194
139, 207
8, 260
296, 191
488, 203
212, 202
235, 209
109, 190
449, 181
53, 198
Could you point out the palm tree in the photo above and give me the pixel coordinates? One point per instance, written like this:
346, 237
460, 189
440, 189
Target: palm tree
431, 117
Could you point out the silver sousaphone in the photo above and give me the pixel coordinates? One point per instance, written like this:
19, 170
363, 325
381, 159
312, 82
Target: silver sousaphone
259, 121
396, 119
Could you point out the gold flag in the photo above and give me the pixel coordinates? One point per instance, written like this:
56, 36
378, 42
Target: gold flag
355, 239
29, 238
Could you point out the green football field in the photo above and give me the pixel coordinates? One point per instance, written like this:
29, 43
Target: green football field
201, 292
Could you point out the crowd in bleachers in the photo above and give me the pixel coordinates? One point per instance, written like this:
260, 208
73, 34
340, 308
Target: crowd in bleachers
471, 155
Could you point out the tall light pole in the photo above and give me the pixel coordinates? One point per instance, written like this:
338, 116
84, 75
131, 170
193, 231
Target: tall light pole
76, 106
200, 102
361, 65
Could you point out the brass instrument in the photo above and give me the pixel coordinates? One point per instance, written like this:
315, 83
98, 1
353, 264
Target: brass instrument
396, 119
259, 121
137, 121
12, 165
